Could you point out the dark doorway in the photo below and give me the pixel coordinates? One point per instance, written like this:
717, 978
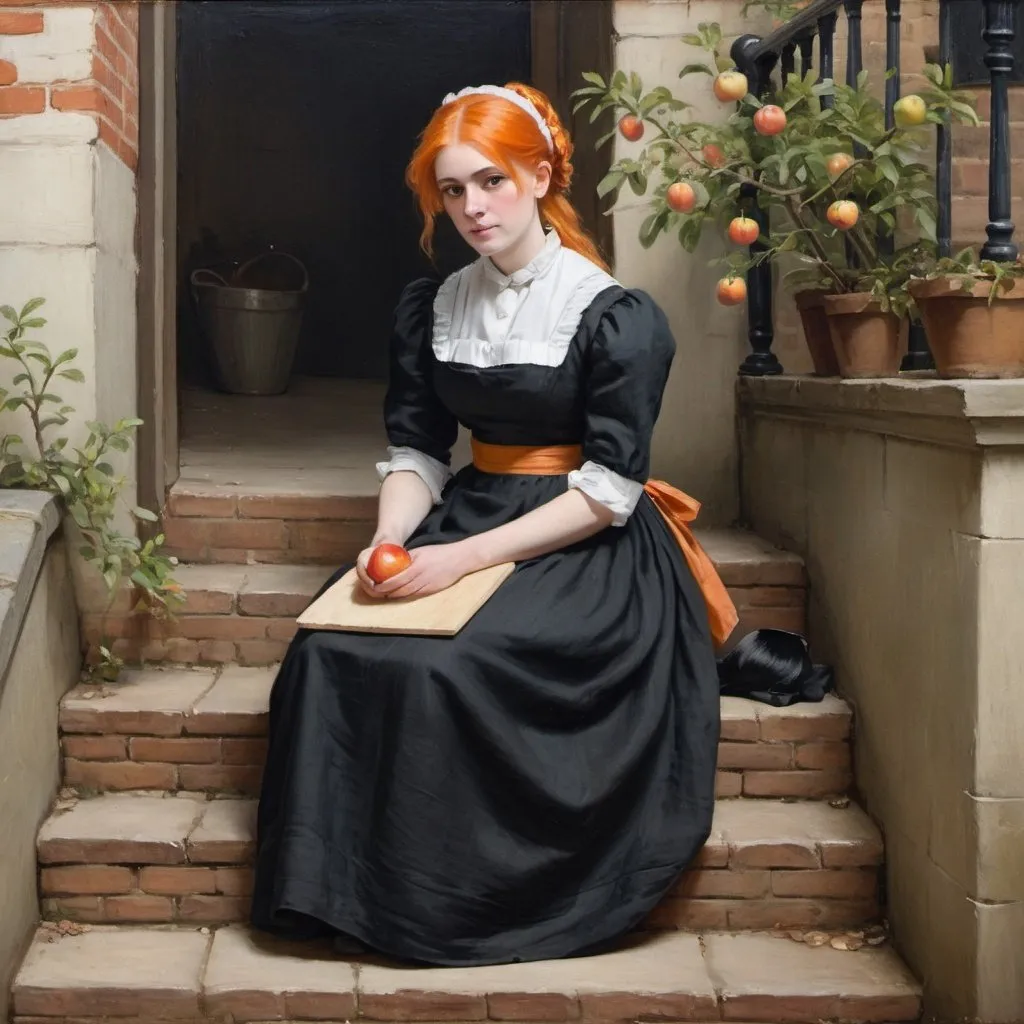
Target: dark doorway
295, 121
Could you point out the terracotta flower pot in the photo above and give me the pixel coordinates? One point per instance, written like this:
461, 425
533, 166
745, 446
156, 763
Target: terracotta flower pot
811, 305
867, 342
969, 337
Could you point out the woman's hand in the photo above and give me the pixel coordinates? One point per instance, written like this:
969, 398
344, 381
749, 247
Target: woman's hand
362, 559
435, 567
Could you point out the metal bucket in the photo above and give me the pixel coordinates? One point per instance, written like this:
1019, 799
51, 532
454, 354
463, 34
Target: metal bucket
252, 321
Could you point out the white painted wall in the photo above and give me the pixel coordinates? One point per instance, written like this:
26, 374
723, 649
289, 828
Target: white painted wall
62, 52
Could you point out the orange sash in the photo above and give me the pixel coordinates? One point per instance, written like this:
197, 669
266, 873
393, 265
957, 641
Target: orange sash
677, 509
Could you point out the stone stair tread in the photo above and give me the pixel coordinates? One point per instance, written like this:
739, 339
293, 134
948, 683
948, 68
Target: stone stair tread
178, 700
138, 828
135, 972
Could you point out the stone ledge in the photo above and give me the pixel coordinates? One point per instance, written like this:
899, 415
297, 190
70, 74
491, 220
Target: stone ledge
27, 521
950, 413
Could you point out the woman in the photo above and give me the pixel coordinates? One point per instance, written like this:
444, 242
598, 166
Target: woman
531, 787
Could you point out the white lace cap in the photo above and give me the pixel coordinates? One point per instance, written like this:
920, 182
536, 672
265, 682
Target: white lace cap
506, 94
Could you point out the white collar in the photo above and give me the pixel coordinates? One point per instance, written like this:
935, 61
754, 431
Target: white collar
537, 267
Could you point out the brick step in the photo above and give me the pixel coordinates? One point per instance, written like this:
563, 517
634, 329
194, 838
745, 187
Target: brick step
202, 730
131, 857
151, 974
246, 613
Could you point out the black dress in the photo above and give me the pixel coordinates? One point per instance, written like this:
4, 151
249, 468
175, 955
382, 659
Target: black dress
530, 788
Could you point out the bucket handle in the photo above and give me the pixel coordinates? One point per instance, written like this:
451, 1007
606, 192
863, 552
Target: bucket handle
276, 252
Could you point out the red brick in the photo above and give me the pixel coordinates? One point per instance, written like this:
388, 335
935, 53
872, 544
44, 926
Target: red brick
695, 914
234, 881
422, 1006
216, 652
88, 909
138, 907
8, 73
86, 879
243, 751
970, 177
804, 728
221, 627
308, 506
181, 650
213, 909
281, 629
713, 855
108, 48
208, 602
336, 542
22, 99
260, 652
532, 1006
852, 855
808, 785
221, 778
755, 755
728, 784
225, 533
823, 755
774, 855
86, 98
644, 1006
177, 751
768, 597
177, 881
972, 142
983, 103
799, 913
192, 504
119, 775
848, 885
20, 23
95, 748
736, 884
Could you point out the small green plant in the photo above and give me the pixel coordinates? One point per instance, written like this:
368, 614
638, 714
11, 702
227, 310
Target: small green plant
967, 268
82, 477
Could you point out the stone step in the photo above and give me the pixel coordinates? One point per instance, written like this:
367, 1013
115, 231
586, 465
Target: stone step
203, 730
130, 857
151, 974
246, 613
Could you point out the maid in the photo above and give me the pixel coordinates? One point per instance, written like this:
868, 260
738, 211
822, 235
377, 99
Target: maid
531, 787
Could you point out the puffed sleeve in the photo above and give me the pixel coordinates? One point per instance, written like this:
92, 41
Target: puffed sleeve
421, 431
627, 365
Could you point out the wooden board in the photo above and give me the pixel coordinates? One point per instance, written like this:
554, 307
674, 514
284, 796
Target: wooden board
347, 609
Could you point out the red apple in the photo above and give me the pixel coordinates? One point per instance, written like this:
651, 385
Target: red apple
713, 155
681, 197
731, 291
743, 230
838, 163
632, 128
843, 214
387, 560
770, 120
730, 85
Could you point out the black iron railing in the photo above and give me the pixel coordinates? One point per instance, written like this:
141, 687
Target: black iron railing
759, 57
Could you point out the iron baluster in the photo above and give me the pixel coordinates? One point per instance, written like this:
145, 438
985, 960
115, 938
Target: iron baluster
826, 44
999, 34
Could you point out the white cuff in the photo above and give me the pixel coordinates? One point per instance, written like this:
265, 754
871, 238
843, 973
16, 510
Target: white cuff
615, 492
433, 473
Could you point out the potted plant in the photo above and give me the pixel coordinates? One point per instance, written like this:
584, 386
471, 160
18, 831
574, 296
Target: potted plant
855, 222
973, 311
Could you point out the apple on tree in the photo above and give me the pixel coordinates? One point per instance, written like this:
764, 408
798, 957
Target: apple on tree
910, 111
681, 197
769, 120
731, 86
632, 128
743, 230
843, 214
731, 291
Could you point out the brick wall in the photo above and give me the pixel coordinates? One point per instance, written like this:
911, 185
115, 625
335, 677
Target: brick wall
70, 56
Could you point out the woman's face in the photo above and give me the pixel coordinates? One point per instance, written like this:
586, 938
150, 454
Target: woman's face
491, 211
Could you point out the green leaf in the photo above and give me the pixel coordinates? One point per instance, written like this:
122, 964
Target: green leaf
927, 222
36, 322
594, 78
73, 374
145, 514
611, 182
696, 69
31, 306
691, 39
8, 313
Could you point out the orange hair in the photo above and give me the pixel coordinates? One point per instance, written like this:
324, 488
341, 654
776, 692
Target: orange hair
507, 136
